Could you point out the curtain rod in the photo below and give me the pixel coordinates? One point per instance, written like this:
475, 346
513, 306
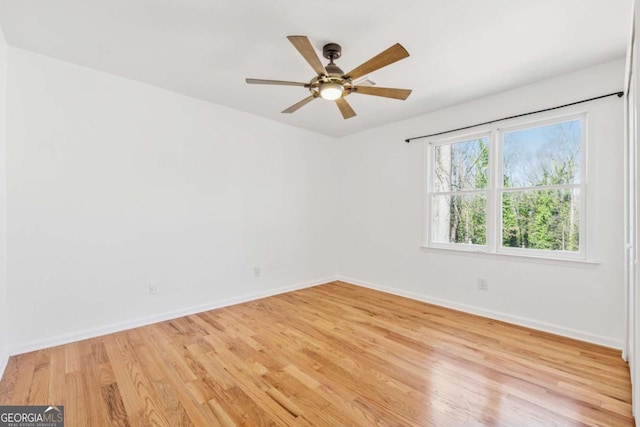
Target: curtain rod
619, 94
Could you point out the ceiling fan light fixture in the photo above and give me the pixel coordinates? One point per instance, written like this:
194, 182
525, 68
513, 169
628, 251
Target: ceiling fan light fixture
331, 90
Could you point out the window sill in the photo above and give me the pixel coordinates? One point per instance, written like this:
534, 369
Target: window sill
583, 263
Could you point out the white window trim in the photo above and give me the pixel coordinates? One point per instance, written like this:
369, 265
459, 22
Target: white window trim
430, 160
493, 245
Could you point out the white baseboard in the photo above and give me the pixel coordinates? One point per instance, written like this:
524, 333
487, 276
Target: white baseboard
491, 314
20, 348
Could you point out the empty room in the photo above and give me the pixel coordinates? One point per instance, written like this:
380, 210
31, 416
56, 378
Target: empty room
289, 213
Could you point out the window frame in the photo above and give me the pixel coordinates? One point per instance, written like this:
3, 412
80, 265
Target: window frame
430, 171
495, 189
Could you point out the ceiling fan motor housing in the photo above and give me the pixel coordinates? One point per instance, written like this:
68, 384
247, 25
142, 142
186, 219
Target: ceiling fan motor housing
332, 51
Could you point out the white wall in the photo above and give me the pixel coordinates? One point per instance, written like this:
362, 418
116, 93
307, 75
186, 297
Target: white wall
4, 330
381, 187
113, 185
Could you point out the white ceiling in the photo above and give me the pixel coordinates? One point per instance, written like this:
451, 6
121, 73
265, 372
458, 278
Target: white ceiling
460, 49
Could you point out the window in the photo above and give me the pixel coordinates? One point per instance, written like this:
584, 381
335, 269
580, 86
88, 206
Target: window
460, 192
517, 190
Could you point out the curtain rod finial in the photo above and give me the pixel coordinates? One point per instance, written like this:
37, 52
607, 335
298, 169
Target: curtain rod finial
407, 141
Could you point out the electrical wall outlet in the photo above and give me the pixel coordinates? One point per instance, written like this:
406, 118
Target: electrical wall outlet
256, 271
482, 284
154, 289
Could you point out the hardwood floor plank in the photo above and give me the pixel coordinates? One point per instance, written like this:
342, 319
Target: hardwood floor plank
221, 415
39, 390
56, 393
91, 382
25, 368
9, 379
75, 405
116, 414
133, 407
330, 355
71, 359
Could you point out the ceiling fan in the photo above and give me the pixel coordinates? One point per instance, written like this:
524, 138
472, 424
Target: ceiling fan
332, 83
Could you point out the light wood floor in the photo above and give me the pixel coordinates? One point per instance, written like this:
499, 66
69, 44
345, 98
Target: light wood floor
331, 355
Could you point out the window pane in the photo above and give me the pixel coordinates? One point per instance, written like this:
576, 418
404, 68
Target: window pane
542, 219
462, 166
460, 219
545, 155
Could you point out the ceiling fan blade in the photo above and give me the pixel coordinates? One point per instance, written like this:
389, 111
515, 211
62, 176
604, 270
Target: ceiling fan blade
274, 82
305, 48
345, 108
384, 58
300, 104
387, 92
